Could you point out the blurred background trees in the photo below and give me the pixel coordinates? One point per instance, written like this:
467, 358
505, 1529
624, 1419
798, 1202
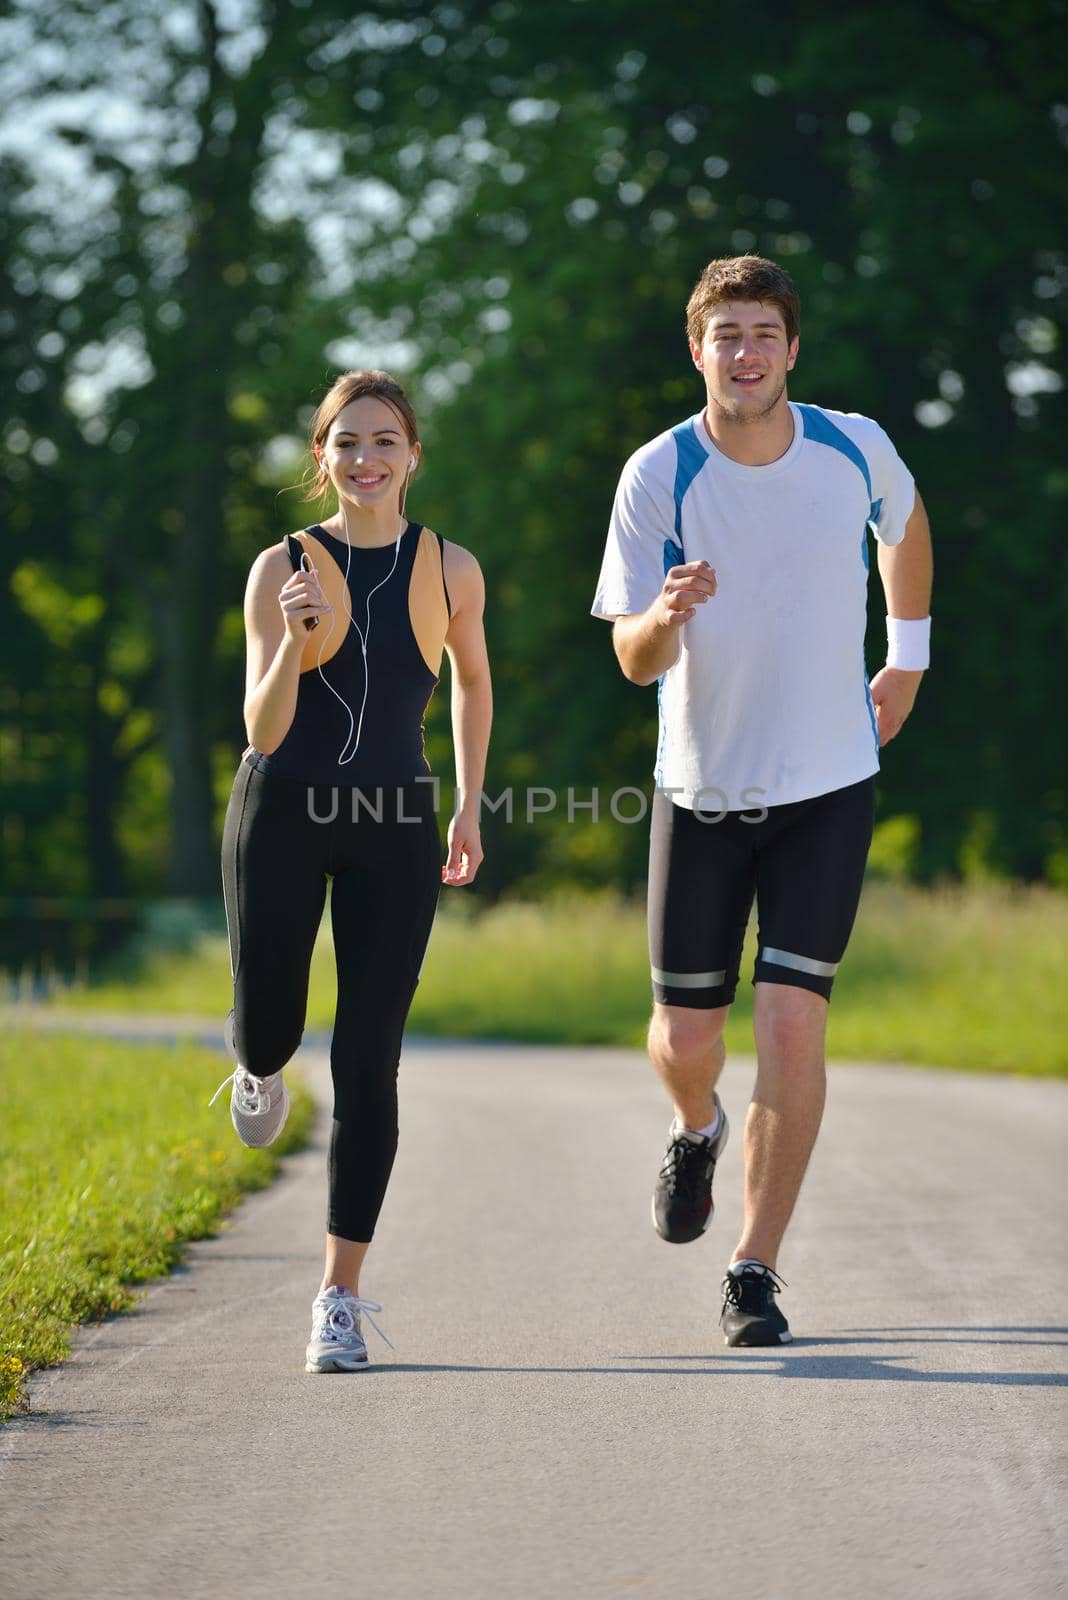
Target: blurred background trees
207, 214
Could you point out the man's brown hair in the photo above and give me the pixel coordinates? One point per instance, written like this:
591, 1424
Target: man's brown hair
742, 278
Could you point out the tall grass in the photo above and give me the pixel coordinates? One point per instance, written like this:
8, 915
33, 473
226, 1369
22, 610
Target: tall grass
968, 977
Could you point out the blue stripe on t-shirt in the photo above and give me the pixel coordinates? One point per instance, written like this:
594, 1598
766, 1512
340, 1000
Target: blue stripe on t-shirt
822, 430
690, 457
873, 719
819, 427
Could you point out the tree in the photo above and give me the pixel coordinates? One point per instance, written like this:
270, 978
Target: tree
905, 163
510, 203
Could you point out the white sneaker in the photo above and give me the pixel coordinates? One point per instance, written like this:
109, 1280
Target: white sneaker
336, 1344
258, 1106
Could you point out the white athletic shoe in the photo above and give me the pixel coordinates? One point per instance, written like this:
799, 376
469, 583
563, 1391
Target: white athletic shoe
336, 1344
258, 1106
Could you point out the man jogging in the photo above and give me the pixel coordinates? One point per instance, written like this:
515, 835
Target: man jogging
735, 575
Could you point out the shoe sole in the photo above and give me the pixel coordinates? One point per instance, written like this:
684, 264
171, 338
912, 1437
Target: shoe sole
230, 1042
335, 1366
694, 1237
760, 1344
262, 1144
723, 1137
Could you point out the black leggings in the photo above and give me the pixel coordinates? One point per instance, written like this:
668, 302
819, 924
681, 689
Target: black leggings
281, 841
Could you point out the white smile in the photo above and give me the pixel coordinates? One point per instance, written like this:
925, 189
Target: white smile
747, 377
368, 483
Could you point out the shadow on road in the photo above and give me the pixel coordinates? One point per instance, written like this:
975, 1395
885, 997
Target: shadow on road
752, 1363
928, 1329
765, 1363
794, 1362
1019, 1344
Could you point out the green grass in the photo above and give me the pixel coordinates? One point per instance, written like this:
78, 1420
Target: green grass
968, 977
110, 1159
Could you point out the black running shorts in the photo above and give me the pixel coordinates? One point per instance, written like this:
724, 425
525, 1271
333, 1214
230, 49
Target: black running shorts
804, 862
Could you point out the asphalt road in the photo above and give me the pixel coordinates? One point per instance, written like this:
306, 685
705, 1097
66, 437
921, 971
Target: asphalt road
561, 1417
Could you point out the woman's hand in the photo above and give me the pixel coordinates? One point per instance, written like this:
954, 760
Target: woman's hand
465, 847
302, 599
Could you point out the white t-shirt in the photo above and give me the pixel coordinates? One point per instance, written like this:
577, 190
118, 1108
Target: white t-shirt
769, 700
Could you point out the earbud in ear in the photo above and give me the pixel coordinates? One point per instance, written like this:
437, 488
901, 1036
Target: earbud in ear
411, 464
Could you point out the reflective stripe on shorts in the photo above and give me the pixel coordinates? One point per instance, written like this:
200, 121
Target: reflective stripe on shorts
688, 980
786, 958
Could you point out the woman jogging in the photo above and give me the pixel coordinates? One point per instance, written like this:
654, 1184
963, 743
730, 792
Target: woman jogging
345, 626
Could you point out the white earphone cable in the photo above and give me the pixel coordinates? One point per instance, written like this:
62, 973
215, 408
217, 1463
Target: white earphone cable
363, 634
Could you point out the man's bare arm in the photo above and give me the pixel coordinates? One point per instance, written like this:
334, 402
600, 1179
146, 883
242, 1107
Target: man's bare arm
648, 643
906, 571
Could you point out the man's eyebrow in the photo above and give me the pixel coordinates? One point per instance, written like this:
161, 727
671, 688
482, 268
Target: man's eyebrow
717, 326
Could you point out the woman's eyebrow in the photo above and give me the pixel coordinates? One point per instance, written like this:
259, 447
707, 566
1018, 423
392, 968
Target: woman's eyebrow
349, 433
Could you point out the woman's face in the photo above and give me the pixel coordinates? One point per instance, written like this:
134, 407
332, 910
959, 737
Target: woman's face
368, 454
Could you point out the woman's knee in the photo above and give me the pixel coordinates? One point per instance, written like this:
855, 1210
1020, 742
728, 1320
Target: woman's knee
261, 1049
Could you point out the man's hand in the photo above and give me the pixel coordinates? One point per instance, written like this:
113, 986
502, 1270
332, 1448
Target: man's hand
685, 588
893, 694
649, 642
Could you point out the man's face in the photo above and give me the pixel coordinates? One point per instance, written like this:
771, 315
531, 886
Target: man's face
744, 357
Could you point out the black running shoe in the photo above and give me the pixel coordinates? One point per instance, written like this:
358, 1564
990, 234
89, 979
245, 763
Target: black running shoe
750, 1315
682, 1199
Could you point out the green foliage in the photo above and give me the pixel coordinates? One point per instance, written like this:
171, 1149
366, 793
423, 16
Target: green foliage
103, 1178
893, 847
918, 226
511, 205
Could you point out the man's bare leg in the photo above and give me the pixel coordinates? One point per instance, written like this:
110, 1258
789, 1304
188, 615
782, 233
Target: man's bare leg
784, 1116
686, 1048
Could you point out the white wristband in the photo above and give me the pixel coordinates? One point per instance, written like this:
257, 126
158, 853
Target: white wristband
908, 643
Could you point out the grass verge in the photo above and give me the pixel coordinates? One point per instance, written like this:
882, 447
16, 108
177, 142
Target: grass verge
110, 1160
966, 977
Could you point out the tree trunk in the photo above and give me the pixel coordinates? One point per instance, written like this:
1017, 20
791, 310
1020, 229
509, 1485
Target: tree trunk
220, 182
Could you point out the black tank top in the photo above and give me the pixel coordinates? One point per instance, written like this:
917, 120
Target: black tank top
409, 615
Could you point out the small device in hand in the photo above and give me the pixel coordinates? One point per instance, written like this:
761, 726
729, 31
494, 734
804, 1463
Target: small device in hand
309, 622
